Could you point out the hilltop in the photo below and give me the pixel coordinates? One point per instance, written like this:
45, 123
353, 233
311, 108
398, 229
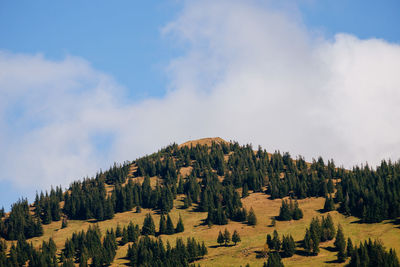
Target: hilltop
213, 185
203, 141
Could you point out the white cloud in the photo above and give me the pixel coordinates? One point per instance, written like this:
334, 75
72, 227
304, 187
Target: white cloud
248, 73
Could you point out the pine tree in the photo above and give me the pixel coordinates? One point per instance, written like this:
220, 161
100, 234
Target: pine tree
163, 225
148, 225
297, 212
125, 238
245, 191
179, 226
340, 244
329, 204
170, 226
284, 213
330, 186
269, 242
236, 237
83, 260
274, 260
220, 238
118, 230
227, 237
328, 228
349, 249
276, 242
251, 218
288, 246
46, 218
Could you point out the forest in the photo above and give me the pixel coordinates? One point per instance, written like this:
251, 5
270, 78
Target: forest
219, 177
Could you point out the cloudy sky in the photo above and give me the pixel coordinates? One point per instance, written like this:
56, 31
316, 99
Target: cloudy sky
85, 84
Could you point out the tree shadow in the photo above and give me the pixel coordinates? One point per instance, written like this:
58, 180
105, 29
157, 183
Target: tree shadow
330, 249
358, 222
322, 211
333, 261
261, 254
223, 245
301, 252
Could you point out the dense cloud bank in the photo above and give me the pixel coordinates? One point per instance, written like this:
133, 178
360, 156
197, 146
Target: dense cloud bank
247, 72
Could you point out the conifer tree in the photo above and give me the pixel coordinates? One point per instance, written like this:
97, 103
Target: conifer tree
245, 191
328, 228
340, 244
118, 230
331, 187
227, 237
220, 238
297, 212
349, 249
276, 242
236, 237
274, 260
148, 225
251, 218
170, 226
163, 225
179, 226
329, 204
288, 246
285, 213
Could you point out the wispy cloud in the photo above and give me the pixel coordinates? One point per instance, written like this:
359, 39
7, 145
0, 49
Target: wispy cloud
248, 73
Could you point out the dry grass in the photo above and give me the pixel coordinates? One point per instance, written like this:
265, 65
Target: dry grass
204, 141
253, 238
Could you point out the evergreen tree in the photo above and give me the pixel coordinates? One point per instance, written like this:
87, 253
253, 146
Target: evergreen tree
118, 230
148, 225
328, 228
163, 225
227, 237
329, 204
349, 249
220, 238
179, 226
276, 242
251, 218
245, 191
288, 246
340, 244
331, 187
236, 237
285, 213
274, 260
373, 254
297, 212
170, 226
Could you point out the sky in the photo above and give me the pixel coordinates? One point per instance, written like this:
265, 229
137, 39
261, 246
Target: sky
86, 84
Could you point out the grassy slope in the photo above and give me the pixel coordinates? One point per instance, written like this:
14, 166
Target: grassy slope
253, 238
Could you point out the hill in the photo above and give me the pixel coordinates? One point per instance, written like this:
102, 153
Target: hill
212, 185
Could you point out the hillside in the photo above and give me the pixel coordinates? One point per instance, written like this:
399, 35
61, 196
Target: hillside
205, 183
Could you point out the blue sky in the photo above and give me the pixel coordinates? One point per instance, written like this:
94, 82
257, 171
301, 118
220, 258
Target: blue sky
129, 42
